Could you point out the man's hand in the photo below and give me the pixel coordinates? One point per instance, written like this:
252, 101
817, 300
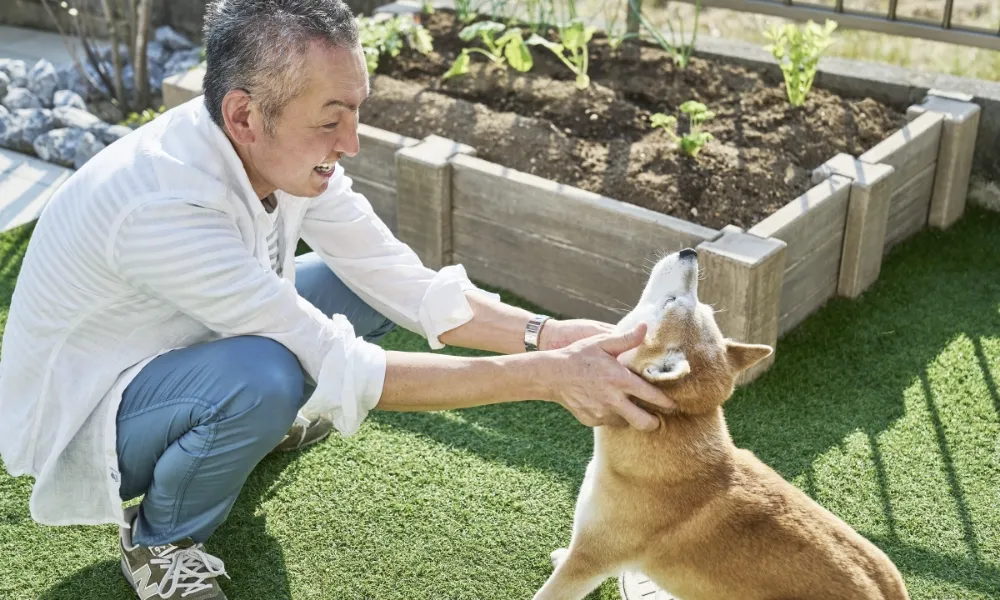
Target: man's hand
559, 334
586, 378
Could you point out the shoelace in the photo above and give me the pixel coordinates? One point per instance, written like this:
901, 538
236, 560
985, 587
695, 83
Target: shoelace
187, 569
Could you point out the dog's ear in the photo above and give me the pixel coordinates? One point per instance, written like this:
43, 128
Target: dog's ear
669, 368
743, 356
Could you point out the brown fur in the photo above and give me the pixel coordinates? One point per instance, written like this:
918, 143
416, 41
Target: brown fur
703, 519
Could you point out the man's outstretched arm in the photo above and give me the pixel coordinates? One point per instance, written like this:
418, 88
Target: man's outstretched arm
584, 377
499, 327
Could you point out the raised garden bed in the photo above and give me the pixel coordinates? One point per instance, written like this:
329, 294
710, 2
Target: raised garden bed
600, 139
566, 196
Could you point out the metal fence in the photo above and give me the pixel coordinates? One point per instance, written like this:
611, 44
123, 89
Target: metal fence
888, 22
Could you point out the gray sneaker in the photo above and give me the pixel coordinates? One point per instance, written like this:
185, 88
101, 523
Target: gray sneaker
172, 571
305, 432
633, 585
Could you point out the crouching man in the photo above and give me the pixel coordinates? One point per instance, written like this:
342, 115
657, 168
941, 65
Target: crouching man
163, 337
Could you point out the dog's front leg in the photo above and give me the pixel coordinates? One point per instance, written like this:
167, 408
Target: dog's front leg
577, 573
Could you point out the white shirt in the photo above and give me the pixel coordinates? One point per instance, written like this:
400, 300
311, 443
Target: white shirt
158, 243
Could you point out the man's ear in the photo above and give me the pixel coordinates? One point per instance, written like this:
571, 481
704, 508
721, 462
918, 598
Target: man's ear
743, 356
669, 368
236, 113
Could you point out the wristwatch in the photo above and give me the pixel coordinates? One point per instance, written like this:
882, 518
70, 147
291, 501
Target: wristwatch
532, 331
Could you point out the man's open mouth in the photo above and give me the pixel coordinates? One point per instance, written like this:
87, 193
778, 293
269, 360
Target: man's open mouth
323, 168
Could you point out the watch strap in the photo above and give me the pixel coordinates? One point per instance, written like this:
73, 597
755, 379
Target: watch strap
532, 331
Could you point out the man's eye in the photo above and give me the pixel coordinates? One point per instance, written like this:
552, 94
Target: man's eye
331, 125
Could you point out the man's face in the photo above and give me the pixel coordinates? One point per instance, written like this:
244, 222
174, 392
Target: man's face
316, 128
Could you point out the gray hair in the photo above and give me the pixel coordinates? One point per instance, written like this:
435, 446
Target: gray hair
259, 45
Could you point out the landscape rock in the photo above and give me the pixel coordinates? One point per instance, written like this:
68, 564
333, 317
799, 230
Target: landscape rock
16, 70
43, 81
70, 79
104, 53
68, 98
19, 128
67, 116
68, 146
4, 84
113, 133
99, 130
20, 98
157, 53
172, 40
59, 145
88, 148
181, 62
155, 73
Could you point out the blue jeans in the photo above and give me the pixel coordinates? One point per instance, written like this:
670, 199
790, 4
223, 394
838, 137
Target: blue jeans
195, 422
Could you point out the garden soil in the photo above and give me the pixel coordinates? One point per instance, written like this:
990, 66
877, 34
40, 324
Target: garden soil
600, 139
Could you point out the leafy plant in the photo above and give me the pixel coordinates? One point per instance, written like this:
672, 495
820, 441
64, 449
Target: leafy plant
681, 52
388, 36
611, 12
464, 11
574, 38
691, 142
136, 119
129, 25
798, 51
508, 48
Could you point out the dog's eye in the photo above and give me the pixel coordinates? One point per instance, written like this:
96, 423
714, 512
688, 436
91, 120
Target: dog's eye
668, 300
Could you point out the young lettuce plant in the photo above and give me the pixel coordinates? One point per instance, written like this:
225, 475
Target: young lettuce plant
691, 142
802, 49
387, 38
574, 39
509, 47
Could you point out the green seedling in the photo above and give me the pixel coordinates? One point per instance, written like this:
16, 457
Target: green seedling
509, 48
680, 50
616, 37
388, 37
464, 11
798, 51
691, 142
574, 39
136, 119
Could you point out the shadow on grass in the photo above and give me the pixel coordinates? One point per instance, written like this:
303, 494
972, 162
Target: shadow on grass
844, 370
253, 558
99, 580
537, 436
847, 367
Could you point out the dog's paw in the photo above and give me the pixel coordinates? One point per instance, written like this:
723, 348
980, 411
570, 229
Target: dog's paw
558, 556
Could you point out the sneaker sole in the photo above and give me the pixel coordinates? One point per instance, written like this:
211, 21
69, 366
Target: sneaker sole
636, 586
128, 574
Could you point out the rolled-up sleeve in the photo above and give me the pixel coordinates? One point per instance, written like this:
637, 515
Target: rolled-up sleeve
193, 258
344, 230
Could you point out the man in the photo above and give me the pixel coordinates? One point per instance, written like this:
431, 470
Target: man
163, 338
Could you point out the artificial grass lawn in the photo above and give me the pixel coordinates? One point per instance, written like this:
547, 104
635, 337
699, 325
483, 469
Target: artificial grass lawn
885, 409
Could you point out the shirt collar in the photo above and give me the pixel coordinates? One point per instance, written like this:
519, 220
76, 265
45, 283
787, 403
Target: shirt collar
236, 175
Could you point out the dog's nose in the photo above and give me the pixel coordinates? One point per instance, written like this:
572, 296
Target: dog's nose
688, 253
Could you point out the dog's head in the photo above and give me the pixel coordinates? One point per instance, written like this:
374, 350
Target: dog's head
684, 352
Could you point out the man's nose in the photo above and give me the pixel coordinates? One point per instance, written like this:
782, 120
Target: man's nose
349, 144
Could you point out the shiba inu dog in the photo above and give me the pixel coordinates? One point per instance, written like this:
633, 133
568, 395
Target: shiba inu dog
703, 519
